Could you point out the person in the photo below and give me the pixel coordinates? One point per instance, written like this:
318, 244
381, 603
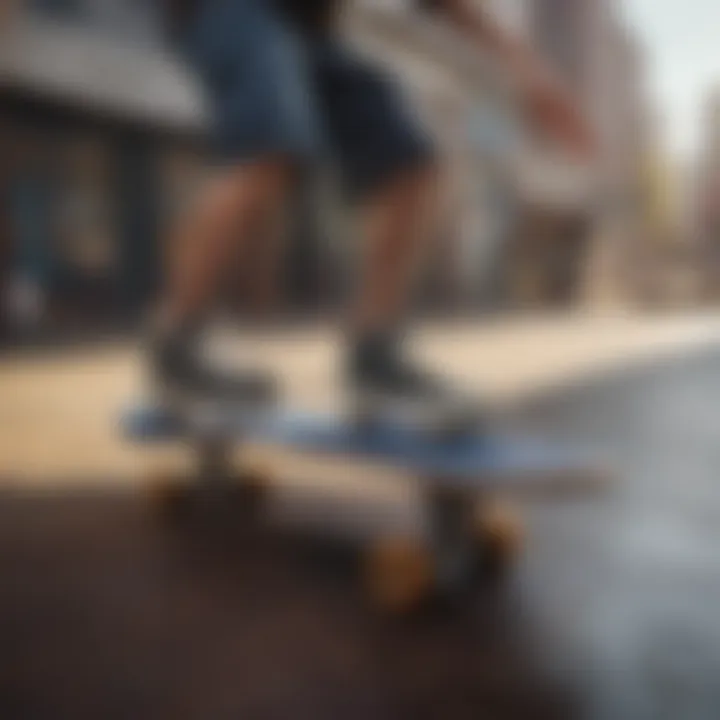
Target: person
282, 89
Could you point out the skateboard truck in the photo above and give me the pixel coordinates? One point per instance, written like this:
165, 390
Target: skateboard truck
449, 515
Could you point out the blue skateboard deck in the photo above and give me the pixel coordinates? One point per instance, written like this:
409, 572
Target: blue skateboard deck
487, 459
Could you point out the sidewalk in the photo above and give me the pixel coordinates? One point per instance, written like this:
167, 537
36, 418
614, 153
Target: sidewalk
58, 412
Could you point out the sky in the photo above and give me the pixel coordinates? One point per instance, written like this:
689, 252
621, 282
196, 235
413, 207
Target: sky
682, 38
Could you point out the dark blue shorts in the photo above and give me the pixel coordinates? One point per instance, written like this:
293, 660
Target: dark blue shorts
274, 91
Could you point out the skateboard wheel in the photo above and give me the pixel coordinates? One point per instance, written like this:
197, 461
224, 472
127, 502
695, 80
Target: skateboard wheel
398, 574
169, 495
499, 536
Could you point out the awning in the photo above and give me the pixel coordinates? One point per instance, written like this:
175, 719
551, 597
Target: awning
78, 67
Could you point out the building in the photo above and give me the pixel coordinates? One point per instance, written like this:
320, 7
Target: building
708, 211
622, 113
706, 220
672, 264
102, 127
603, 65
97, 123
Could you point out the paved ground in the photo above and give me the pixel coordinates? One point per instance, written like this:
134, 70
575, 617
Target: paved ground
612, 612
56, 412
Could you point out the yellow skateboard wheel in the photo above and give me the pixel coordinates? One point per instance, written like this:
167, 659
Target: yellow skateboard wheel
398, 574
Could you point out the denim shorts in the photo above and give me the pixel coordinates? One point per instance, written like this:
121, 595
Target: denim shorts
272, 90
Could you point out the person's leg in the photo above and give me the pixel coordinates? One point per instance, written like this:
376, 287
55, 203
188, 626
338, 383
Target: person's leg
228, 213
262, 268
392, 168
399, 219
400, 224
390, 171
263, 125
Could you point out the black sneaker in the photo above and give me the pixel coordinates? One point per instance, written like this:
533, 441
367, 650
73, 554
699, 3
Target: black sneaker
180, 375
386, 385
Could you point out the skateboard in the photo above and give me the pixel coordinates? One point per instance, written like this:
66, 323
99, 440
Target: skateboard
467, 534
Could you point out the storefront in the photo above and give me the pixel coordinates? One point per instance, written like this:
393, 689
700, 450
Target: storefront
82, 208
87, 173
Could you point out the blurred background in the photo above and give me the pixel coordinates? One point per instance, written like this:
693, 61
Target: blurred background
100, 132
582, 297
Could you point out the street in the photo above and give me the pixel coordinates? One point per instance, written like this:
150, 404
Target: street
610, 613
